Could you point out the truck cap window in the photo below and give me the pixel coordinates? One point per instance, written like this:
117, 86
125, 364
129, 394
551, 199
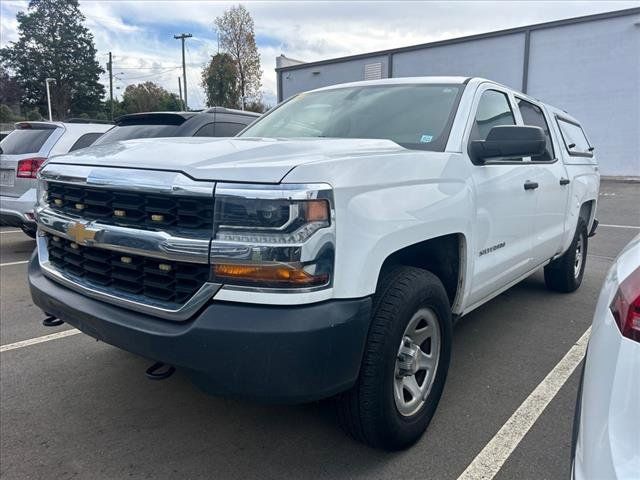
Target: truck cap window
414, 116
574, 138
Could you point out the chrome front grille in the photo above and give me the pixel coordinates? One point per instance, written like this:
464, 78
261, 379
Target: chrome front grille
166, 282
127, 208
136, 239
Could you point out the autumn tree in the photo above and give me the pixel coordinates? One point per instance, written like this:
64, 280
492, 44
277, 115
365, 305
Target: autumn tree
148, 97
220, 82
53, 42
237, 38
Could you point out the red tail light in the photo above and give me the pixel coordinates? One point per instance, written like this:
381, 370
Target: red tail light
28, 168
625, 306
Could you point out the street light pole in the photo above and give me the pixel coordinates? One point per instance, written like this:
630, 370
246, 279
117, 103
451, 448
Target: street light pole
47, 81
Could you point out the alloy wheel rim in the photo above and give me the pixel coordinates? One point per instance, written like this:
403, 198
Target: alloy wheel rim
417, 362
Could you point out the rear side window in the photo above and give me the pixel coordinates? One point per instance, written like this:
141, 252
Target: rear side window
574, 138
532, 115
205, 131
493, 110
228, 129
85, 140
128, 132
25, 140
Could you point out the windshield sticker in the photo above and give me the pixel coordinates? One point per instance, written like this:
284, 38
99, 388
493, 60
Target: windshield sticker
426, 138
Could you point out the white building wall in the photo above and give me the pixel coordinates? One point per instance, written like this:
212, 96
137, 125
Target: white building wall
499, 58
590, 68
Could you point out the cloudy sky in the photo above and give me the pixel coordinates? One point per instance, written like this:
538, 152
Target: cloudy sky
140, 32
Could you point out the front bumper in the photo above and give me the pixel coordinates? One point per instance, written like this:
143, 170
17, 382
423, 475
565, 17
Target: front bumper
284, 354
18, 211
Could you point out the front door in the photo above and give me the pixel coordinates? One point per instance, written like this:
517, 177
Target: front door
504, 208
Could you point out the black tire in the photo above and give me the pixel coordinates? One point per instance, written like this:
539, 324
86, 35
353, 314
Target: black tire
29, 231
560, 275
368, 411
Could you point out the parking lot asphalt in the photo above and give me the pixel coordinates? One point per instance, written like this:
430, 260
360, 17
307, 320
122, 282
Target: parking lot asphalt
76, 408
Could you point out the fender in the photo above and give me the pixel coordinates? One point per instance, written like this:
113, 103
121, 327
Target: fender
387, 203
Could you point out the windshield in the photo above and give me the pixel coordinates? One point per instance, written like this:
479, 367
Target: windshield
27, 140
128, 132
414, 116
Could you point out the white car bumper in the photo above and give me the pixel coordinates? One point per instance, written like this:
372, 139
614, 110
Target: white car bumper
18, 211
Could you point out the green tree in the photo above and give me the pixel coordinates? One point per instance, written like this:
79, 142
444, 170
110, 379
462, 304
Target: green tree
220, 82
53, 42
6, 114
237, 38
10, 91
148, 97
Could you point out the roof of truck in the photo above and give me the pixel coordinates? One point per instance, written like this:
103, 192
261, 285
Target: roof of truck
399, 81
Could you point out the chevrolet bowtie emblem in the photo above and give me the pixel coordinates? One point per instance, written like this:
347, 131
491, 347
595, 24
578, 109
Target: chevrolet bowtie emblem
81, 233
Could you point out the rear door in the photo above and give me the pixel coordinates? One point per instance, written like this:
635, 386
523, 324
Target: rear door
28, 140
552, 193
504, 209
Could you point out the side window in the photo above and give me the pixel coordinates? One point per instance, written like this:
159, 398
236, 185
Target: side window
85, 140
574, 138
205, 131
533, 115
228, 129
493, 110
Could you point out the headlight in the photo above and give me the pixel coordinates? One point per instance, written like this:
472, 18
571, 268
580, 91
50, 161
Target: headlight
273, 236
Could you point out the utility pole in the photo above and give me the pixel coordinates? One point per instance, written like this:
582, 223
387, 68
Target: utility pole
47, 81
182, 37
110, 69
180, 91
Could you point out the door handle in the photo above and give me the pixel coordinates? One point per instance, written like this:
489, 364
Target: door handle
564, 181
530, 185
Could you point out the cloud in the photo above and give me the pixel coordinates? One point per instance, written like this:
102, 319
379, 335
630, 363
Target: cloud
140, 32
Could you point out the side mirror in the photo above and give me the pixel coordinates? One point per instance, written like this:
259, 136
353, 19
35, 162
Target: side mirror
508, 141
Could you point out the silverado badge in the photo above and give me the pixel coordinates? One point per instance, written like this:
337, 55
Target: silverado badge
81, 233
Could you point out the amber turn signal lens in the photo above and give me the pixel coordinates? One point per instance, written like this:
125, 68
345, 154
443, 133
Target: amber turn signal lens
276, 275
317, 211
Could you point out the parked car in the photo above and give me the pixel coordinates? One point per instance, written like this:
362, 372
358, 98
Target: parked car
607, 426
4, 133
213, 122
23, 152
328, 249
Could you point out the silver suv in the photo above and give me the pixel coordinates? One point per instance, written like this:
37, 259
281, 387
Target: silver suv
22, 153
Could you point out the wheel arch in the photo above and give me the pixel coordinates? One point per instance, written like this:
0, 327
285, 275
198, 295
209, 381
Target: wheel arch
445, 256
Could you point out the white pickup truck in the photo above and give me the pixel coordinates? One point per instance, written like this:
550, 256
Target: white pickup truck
325, 251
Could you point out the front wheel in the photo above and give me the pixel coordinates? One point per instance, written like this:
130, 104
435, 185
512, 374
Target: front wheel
565, 273
405, 362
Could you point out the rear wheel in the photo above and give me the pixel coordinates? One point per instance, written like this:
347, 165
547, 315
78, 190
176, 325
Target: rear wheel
565, 274
405, 361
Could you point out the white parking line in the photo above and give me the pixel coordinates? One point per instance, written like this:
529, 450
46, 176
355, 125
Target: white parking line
13, 263
495, 453
10, 231
35, 341
632, 227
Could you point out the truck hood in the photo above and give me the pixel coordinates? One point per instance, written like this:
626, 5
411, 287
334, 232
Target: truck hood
265, 160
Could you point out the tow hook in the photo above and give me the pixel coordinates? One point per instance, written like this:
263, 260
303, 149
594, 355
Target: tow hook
51, 321
160, 371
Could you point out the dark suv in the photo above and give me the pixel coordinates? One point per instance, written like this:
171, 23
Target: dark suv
213, 122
